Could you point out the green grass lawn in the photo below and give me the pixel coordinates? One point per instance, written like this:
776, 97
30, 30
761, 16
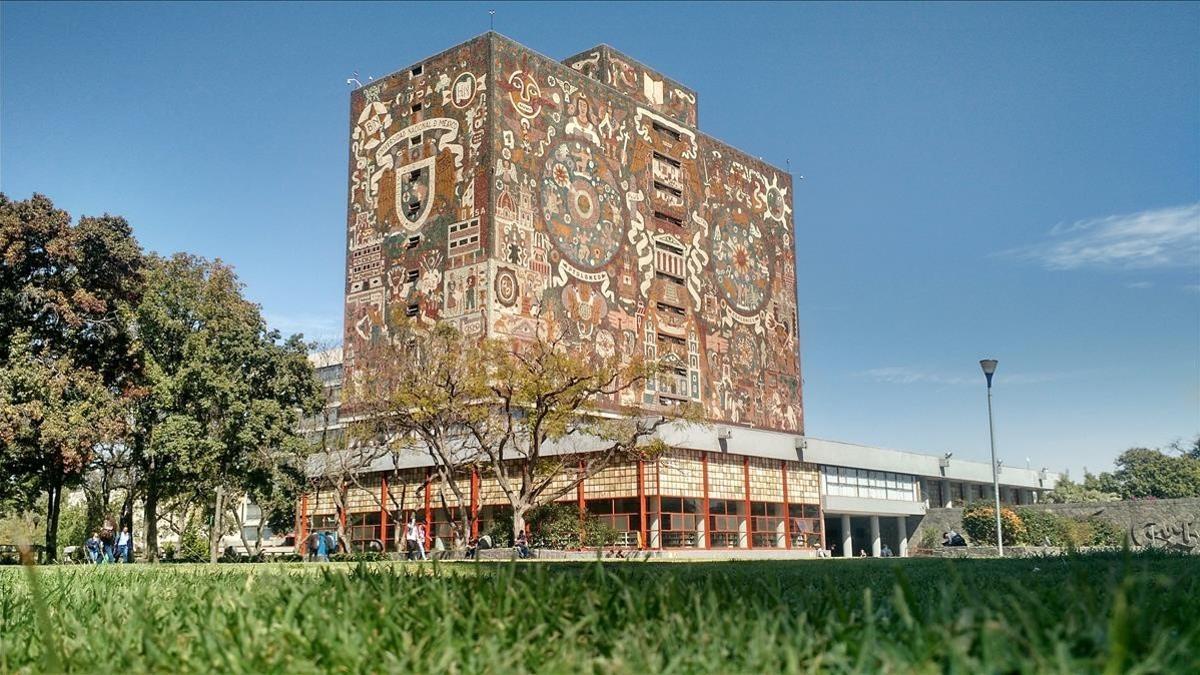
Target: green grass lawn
1101, 613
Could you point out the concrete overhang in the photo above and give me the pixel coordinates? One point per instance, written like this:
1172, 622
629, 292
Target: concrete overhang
862, 506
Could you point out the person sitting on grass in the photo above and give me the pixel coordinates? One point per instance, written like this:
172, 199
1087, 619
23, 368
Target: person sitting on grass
522, 545
862, 552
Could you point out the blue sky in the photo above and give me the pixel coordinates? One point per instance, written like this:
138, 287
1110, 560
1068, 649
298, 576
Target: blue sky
1018, 181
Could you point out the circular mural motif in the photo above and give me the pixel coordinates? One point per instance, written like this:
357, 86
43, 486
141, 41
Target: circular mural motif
741, 262
581, 205
506, 287
776, 203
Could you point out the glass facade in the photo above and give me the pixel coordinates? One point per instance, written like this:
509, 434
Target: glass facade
624, 515
844, 482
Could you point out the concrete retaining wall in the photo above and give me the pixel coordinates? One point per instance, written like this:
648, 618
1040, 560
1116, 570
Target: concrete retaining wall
1166, 523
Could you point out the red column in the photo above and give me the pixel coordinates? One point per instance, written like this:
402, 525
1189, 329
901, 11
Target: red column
787, 508
383, 513
641, 493
707, 520
342, 513
581, 502
474, 502
749, 516
302, 528
428, 508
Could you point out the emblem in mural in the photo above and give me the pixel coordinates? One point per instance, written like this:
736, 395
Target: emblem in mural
462, 92
506, 287
581, 206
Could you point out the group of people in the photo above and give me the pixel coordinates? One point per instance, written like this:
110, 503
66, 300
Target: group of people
321, 545
107, 546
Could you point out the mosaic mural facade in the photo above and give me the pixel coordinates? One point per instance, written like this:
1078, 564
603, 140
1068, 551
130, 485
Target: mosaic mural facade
495, 188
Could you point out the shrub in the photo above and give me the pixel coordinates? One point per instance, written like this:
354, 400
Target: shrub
193, 546
979, 522
555, 526
360, 556
1043, 528
1092, 531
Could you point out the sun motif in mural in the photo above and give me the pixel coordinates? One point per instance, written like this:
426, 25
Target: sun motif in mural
582, 206
774, 199
741, 263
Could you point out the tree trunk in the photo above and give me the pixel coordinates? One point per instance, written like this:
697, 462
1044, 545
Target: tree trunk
214, 535
53, 507
518, 524
150, 515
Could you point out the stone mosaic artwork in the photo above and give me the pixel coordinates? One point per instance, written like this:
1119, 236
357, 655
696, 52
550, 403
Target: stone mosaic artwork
495, 188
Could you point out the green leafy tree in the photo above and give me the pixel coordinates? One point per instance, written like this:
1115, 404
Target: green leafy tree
225, 393
1143, 473
1092, 489
67, 370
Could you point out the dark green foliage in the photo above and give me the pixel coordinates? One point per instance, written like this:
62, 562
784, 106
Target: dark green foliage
1142, 473
1043, 527
1075, 614
555, 526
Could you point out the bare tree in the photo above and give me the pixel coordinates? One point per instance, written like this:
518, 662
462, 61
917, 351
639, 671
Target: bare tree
560, 413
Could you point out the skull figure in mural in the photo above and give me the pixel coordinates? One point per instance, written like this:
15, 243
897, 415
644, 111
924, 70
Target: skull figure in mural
582, 206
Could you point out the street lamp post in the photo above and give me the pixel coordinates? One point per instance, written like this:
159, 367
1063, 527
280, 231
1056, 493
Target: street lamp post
989, 369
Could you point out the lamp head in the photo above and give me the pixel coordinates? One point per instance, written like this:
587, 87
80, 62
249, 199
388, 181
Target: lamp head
989, 368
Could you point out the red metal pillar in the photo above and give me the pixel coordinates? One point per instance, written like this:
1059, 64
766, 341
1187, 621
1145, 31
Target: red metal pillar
787, 507
302, 528
428, 508
383, 513
749, 516
342, 512
581, 502
707, 519
641, 493
474, 502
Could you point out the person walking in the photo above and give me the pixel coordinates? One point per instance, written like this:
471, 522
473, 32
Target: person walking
422, 537
313, 544
323, 547
93, 547
124, 546
411, 533
107, 542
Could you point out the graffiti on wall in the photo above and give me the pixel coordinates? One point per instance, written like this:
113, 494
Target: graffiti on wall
1181, 535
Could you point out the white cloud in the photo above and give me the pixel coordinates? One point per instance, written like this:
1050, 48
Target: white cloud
1139, 284
1167, 237
912, 375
